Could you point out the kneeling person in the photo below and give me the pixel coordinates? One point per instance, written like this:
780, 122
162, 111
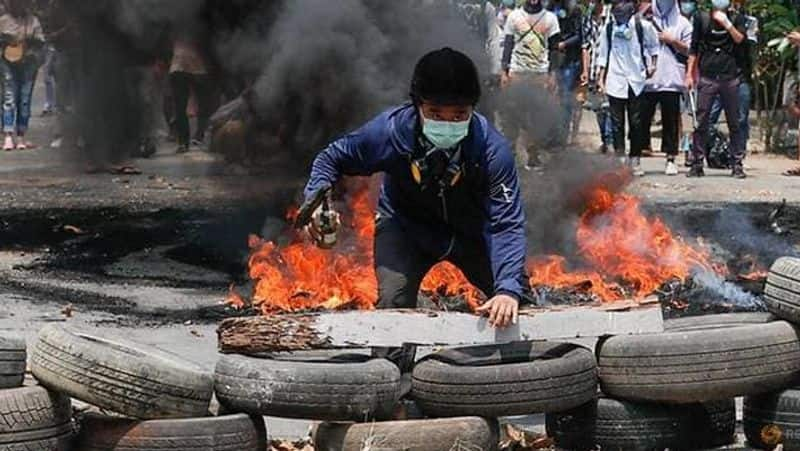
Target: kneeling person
450, 189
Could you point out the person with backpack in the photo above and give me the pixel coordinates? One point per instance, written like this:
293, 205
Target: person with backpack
531, 33
594, 24
716, 54
570, 18
666, 86
628, 57
747, 50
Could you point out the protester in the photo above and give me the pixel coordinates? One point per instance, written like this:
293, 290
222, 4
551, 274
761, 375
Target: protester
746, 50
189, 73
22, 39
793, 105
430, 209
628, 57
688, 10
715, 53
593, 25
63, 35
666, 86
569, 67
531, 33
496, 33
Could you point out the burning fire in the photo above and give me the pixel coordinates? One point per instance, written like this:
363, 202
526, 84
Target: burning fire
624, 249
624, 253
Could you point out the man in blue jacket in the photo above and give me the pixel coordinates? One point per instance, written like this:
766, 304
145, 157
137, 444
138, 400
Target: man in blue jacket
450, 189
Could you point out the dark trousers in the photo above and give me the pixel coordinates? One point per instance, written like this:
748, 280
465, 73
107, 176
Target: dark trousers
670, 117
728, 92
182, 84
633, 107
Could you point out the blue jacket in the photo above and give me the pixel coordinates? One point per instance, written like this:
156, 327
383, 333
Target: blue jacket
484, 208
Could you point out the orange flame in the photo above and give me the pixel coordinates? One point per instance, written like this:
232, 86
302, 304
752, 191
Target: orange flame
624, 253
622, 246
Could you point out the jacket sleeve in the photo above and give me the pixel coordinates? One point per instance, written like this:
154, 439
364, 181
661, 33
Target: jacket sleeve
363, 152
505, 228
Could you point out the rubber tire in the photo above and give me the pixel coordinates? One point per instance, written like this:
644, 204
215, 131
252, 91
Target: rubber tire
315, 390
782, 292
13, 361
621, 425
34, 419
700, 365
720, 321
415, 435
552, 377
131, 379
781, 409
225, 433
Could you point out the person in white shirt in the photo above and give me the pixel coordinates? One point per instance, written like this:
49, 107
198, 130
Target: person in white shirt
531, 32
496, 32
628, 57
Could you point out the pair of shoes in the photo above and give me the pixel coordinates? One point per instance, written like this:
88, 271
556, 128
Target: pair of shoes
738, 173
22, 145
56, 144
635, 164
8, 143
672, 168
696, 171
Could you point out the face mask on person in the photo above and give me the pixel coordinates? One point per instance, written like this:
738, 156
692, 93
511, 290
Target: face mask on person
688, 8
623, 11
665, 6
721, 5
444, 134
509, 3
533, 6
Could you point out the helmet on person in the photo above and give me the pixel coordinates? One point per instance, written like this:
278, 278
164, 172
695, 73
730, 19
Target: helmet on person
446, 77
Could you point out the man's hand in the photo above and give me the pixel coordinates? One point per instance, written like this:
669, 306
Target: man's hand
666, 38
794, 38
562, 46
601, 86
584, 78
722, 19
505, 80
503, 310
689, 82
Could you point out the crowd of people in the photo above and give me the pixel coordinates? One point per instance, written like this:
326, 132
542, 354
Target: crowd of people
622, 59
625, 59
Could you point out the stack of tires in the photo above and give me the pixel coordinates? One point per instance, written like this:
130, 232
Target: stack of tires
150, 399
353, 394
31, 417
773, 418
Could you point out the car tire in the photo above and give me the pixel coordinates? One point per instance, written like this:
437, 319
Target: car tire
626, 426
128, 378
327, 388
35, 419
224, 433
13, 361
772, 419
705, 322
700, 365
415, 435
502, 380
782, 291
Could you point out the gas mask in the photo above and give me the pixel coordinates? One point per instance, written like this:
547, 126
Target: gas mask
436, 166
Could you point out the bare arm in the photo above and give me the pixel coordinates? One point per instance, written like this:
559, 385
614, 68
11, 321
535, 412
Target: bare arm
691, 67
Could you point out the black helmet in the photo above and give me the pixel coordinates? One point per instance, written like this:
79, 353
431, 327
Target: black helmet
446, 77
